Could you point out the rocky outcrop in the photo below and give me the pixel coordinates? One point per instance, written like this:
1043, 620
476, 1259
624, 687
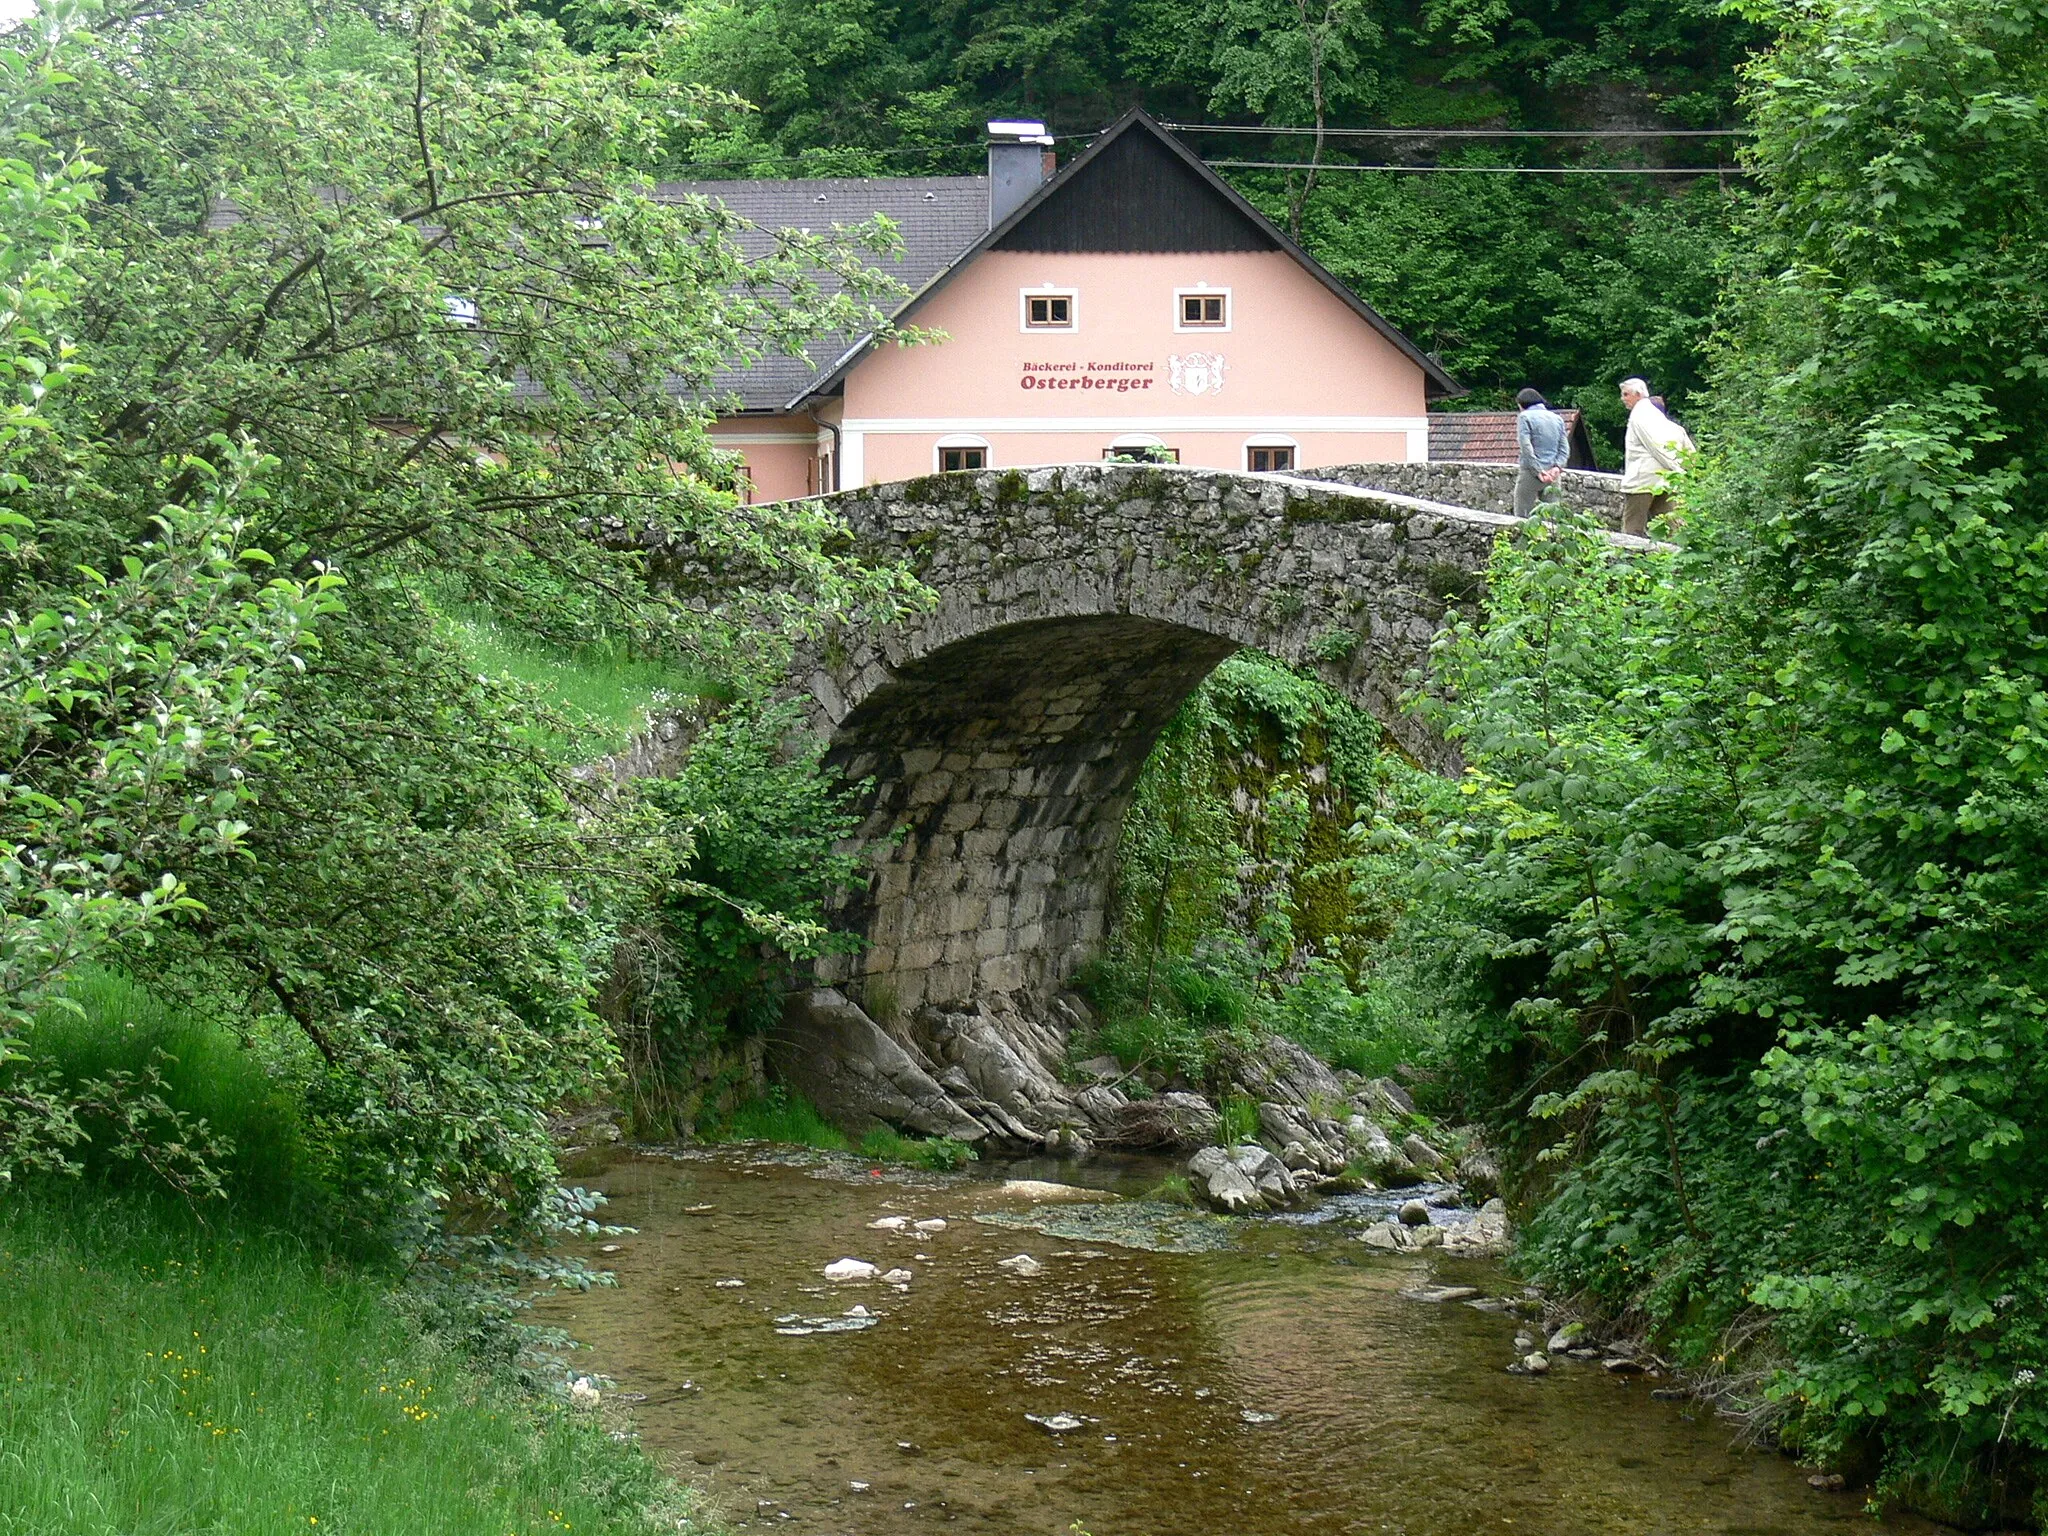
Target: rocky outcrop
988, 1073
840, 1059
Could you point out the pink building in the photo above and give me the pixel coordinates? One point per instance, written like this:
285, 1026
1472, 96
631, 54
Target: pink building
1132, 303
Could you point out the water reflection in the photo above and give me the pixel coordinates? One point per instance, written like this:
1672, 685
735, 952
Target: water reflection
1265, 1380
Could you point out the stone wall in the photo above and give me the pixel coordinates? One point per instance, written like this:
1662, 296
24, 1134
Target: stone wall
1002, 732
1487, 487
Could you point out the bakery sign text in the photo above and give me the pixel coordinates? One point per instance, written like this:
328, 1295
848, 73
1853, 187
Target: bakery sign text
1119, 378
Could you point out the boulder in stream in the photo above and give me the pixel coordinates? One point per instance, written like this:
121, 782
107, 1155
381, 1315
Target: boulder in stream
850, 1269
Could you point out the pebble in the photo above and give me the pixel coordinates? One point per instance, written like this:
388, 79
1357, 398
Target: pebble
1253, 1416
931, 1224
1523, 1343
1536, 1365
728, 1285
1057, 1423
850, 1269
858, 1487
609, 1248
898, 1277
889, 1224
1020, 1264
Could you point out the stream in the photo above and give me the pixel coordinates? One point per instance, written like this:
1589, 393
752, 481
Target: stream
1150, 1372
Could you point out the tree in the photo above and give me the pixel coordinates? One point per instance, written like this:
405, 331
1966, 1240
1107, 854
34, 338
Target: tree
1806, 801
410, 266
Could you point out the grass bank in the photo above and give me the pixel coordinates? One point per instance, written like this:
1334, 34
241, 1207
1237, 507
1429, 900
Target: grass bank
254, 1367
782, 1116
161, 1376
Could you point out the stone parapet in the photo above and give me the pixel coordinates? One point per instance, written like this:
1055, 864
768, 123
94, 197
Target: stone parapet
1486, 487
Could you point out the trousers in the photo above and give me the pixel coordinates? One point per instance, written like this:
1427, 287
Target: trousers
1529, 490
1638, 507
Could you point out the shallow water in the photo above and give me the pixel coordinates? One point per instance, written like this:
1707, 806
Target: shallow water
1264, 1378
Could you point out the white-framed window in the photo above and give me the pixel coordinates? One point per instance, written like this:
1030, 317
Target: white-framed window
1049, 309
958, 453
1271, 455
1201, 308
1139, 448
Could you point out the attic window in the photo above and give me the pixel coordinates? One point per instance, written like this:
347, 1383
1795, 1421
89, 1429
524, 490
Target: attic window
1048, 311
1201, 309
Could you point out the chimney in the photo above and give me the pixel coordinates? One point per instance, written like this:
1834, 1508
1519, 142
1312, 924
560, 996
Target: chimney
1019, 161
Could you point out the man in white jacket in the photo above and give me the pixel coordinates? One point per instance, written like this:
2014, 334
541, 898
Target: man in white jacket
1650, 454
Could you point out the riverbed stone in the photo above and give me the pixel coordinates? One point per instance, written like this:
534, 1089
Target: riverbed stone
1219, 1182
850, 1269
1421, 1153
1414, 1214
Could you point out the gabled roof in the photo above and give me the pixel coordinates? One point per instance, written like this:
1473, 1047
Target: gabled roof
1488, 437
1137, 187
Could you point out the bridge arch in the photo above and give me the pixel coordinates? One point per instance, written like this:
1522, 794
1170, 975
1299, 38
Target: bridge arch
1077, 606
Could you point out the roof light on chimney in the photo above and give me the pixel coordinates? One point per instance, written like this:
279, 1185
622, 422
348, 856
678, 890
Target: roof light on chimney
1019, 131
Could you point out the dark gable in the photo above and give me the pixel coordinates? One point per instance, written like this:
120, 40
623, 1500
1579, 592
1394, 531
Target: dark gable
1136, 195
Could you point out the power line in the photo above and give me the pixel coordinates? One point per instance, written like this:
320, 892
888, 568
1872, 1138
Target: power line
1486, 170
1474, 133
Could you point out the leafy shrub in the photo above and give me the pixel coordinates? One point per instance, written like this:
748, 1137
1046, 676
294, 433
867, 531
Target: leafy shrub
1371, 1028
764, 827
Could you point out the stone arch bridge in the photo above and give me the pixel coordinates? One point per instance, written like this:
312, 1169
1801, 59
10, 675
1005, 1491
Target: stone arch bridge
1003, 731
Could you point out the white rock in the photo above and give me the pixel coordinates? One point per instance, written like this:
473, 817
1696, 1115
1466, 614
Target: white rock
1535, 1365
889, 1224
1020, 1264
583, 1392
932, 1224
856, 1310
897, 1277
1058, 1423
1040, 1189
858, 1487
728, 1285
850, 1269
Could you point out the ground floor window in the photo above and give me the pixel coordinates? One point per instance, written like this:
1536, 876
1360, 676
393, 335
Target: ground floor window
1140, 450
962, 453
1266, 458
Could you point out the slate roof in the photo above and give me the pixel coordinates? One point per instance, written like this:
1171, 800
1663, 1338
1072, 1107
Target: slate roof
1488, 437
937, 218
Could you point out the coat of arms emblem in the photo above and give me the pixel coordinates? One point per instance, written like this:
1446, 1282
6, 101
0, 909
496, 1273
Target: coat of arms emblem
1199, 373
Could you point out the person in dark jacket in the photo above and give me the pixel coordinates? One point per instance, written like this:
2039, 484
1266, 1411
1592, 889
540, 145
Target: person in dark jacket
1542, 448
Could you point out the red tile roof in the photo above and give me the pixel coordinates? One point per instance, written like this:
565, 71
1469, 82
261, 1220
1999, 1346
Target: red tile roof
1483, 437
